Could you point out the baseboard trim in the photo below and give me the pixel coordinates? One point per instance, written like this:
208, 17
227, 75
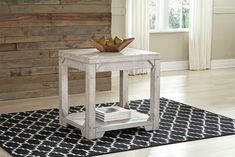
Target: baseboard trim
174, 66
223, 63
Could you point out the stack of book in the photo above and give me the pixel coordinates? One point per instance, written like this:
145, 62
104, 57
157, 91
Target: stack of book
112, 113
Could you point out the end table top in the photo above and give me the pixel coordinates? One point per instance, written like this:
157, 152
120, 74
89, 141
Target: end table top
93, 56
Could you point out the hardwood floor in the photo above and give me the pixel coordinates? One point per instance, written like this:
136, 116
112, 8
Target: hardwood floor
212, 90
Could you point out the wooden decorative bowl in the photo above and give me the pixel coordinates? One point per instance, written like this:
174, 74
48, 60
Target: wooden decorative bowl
113, 48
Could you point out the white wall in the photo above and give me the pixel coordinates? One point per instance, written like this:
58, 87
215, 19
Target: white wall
174, 46
118, 18
223, 44
224, 3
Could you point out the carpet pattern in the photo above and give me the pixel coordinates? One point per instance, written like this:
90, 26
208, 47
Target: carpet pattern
38, 133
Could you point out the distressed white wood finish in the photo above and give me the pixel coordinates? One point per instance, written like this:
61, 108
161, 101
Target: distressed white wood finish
90, 118
154, 96
76, 119
123, 94
74, 64
63, 91
92, 61
137, 119
93, 56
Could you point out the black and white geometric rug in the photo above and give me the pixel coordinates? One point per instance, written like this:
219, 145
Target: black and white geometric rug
38, 133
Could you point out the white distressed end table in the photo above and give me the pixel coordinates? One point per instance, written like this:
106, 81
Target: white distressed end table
92, 61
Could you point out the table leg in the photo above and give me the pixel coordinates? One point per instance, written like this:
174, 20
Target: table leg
90, 119
154, 96
63, 92
123, 94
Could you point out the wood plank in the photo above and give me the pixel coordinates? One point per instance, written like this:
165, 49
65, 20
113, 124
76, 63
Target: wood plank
27, 54
10, 2
2, 40
4, 73
25, 39
4, 9
66, 30
9, 32
20, 20
81, 19
34, 71
49, 31
81, 2
44, 78
24, 76
8, 47
87, 2
81, 23
28, 87
28, 94
81, 16
74, 89
79, 84
48, 19
29, 63
54, 45
74, 8
28, 71
55, 23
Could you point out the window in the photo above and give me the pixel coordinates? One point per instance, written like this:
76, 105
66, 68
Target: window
168, 15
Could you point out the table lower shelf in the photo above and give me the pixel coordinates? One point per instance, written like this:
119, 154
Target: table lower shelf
137, 119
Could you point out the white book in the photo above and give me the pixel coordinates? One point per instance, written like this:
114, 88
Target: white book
112, 110
113, 119
112, 113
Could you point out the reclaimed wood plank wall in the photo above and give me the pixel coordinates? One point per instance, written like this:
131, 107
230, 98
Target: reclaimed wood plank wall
32, 31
